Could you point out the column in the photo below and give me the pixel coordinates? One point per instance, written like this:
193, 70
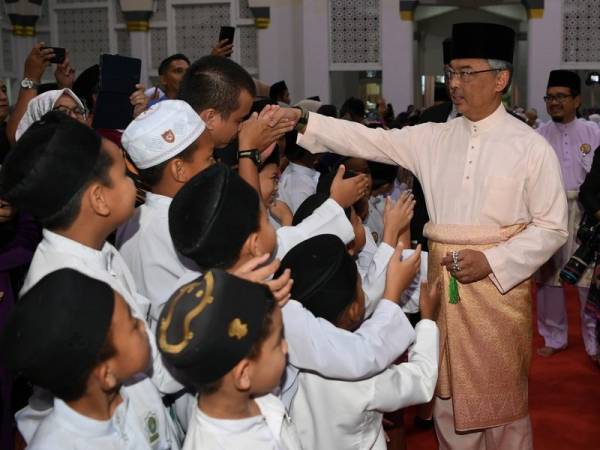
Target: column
544, 53
397, 56
137, 14
315, 47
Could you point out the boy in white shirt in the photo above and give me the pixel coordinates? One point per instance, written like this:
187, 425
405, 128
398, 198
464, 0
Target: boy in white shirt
76, 337
218, 220
75, 183
348, 415
222, 337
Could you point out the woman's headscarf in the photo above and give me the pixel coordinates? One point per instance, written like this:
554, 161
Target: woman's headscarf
42, 104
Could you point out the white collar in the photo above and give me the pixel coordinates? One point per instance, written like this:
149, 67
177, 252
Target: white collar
488, 123
157, 200
303, 170
86, 425
100, 258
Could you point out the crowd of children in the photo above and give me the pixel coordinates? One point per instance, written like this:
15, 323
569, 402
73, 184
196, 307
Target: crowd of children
225, 312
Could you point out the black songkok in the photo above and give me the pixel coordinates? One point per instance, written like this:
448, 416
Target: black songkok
483, 41
565, 78
324, 275
447, 46
49, 164
212, 215
57, 329
209, 325
277, 89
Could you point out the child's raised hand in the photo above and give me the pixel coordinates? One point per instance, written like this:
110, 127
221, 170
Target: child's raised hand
397, 217
430, 300
349, 191
254, 271
401, 272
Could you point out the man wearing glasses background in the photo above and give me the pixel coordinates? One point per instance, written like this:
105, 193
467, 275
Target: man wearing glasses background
574, 142
498, 211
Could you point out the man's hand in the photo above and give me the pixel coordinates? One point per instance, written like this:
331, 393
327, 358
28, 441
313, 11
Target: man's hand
349, 191
473, 266
256, 133
290, 114
139, 100
430, 300
282, 212
65, 73
37, 61
222, 48
397, 217
255, 271
401, 272
7, 212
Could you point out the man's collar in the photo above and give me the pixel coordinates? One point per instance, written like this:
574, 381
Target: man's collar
488, 123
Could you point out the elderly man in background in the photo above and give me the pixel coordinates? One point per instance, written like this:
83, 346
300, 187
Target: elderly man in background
574, 142
498, 212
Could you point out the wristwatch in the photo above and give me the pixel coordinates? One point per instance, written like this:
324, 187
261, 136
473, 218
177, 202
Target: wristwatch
28, 83
303, 120
253, 154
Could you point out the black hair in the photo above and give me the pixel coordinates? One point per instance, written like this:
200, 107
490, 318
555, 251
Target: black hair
152, 175
355, 107
273, 158
76, 389
255, 350
215, 82
327, 110
164, 65
65, 217
293, 151
277, 90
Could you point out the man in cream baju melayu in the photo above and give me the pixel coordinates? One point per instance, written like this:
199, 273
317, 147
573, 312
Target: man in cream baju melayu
497, 211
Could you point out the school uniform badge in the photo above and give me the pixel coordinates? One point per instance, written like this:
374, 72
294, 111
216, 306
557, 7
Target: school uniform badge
152, 427
585, 148
168, 136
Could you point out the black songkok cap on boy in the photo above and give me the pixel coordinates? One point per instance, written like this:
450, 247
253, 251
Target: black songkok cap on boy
483, 41
565, 78
324, 275
447, 49
57, 329
277, 89
49, 164
212, 215
209, 325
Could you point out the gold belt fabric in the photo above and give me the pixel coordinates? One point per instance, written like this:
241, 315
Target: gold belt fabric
485, 339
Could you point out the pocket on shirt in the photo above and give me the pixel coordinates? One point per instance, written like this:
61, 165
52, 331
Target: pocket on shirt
502, 200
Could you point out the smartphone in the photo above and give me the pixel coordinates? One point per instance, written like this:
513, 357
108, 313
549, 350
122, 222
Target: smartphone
227, 33
118, 77
59, 55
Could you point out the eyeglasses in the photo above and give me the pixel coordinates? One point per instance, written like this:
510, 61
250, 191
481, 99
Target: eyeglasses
73, 112
465, 75
559, 98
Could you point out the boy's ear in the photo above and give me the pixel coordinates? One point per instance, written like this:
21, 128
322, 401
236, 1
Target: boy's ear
252, 245
95, 195
105, 377
210, 117
242, 374
177, 170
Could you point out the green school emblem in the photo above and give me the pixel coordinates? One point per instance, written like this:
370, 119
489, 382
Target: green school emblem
152, 427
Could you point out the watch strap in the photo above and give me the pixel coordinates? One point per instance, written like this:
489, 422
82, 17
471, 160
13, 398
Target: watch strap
253, 154
303, 120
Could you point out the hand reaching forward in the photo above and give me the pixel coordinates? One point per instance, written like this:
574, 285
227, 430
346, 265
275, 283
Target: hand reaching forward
255, 271
348, 191
401, 272
397, 217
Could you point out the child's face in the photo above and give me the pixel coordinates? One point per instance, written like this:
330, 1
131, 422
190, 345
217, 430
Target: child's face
359, 234
202, 158
269, 183
267, 369
120, 195
130, 342
354, 314
267, 238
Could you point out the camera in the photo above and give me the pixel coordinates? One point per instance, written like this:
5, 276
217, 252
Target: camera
589, 236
